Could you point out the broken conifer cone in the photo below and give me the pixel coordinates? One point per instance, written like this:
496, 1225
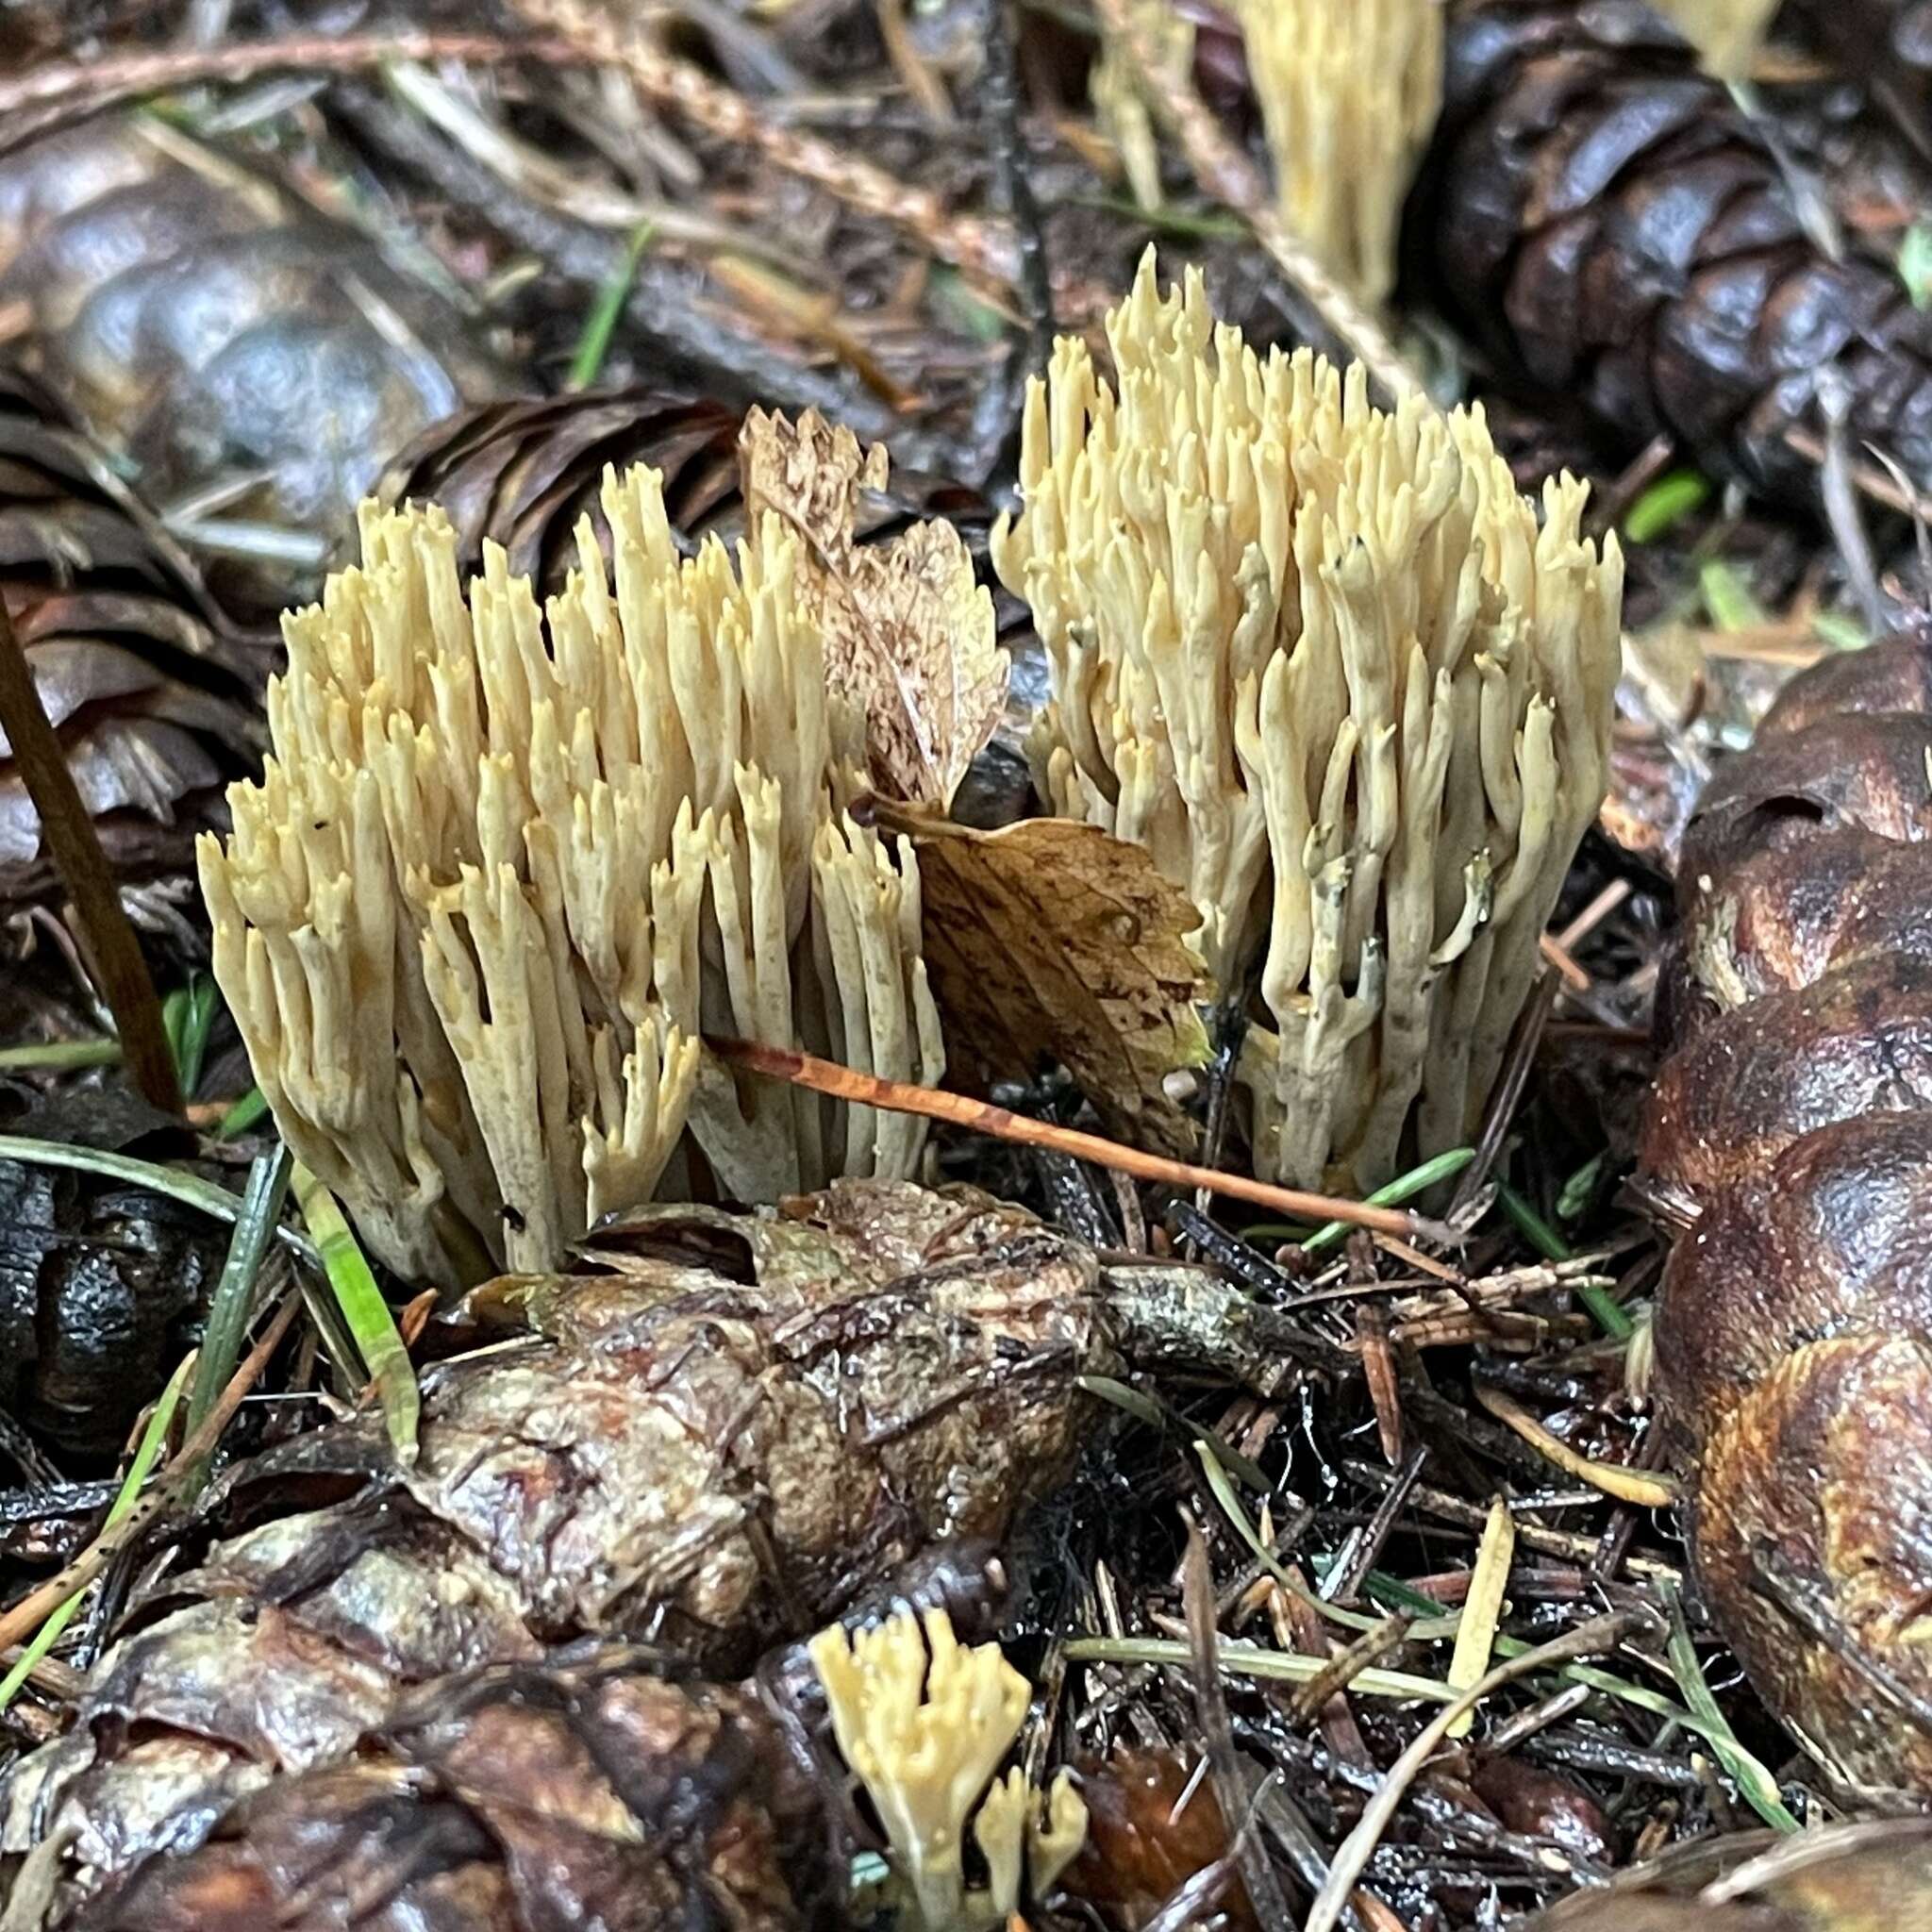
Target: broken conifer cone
1794, 1120
521, 474
592, 1790
1602, 216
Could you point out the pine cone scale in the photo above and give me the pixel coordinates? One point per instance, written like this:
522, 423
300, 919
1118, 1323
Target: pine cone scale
1604, 218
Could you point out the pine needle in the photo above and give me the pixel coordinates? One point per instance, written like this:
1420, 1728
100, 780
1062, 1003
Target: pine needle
1482, 1609
153, 1439
1759, 1789
234, 1296
1253, 1661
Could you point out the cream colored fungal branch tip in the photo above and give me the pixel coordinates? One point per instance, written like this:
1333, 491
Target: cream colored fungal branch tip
1332, 670
925, 1723
508, 863
1728, 33
1350, 91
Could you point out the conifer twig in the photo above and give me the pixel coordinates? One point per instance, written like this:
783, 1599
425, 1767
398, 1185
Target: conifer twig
982, 1117
106, 935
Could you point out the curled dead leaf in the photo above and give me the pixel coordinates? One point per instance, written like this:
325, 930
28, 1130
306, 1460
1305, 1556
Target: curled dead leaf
909, 634
1054, 940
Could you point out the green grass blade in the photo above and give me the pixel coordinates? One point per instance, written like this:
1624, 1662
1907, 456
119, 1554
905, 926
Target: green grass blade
59, 1056
1405, 1186
1751, 1777
201, 1001
370, 1322
1553, 1247
251, 1107
147, 1453
600, 325
1665, 505
228, 1317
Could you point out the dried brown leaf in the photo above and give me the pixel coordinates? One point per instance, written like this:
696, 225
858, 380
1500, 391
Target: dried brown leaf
909, 634
1054, 941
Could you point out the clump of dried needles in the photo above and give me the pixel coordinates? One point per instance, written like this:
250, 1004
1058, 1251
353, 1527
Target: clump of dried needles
1327, 665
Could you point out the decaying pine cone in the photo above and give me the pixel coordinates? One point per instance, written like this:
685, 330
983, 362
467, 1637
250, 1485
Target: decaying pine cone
147, 680
593, 1790
522, 472
228, 342
1866, 1878
729, 1438
1794, 1325
1600, 214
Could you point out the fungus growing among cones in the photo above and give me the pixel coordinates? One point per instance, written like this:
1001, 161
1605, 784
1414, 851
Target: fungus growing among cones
507, 864
1328, 665
1349, 96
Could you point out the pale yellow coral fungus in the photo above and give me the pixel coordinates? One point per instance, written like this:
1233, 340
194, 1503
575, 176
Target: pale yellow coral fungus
1728, 33
1326, 664
501, 873
1350, 91
924, 1721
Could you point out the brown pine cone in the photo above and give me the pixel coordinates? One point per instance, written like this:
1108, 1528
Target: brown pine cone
591, 1790
149, 684
732, 1439
1601, 216
1794, 1334
522, 472
240, 350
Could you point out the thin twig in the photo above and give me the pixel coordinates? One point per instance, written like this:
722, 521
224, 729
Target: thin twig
76, 87
1224, 173
106, 935
982, 1117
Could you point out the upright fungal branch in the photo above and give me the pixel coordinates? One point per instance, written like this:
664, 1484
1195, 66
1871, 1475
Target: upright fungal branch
1349, 91
1726, 33
502, 871
1324, 663
924, 1721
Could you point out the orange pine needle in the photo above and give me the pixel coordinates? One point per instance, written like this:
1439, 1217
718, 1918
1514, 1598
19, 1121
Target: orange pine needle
982, 1117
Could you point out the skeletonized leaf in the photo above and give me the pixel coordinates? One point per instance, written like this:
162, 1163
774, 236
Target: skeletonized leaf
909, 634
1054, 941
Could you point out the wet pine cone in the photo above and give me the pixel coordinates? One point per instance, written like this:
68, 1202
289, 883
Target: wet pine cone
1793, 1331
595, 1790
726, 1440
1600, 215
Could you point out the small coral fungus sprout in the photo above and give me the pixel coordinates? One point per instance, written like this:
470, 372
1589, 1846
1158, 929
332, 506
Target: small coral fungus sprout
1324, 663
925, 1722
1349, 90
508, 865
